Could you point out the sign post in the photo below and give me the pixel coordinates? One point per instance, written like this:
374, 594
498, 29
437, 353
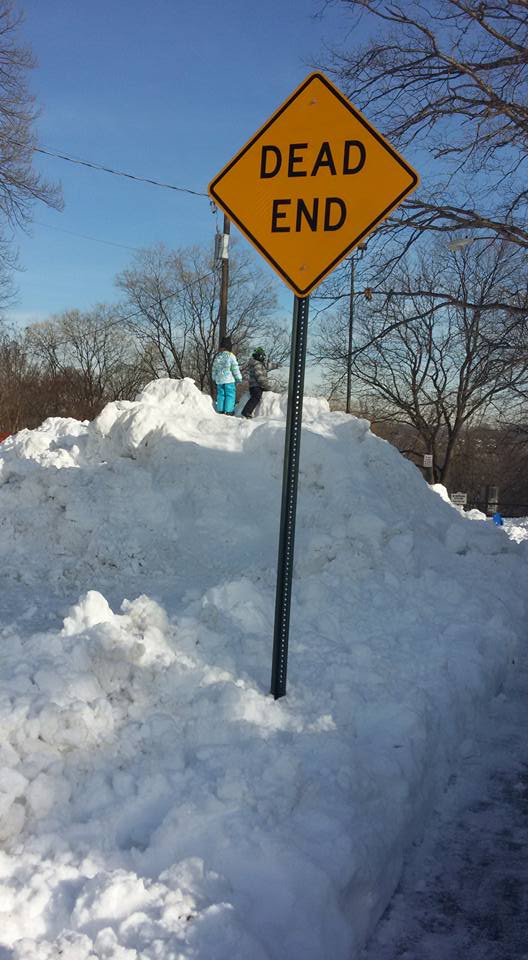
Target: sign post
290, 478
305, 190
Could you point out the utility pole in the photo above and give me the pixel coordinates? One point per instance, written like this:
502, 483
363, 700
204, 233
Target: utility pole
224, 255
361, 247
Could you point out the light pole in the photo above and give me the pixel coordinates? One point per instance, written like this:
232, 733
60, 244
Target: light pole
361, 247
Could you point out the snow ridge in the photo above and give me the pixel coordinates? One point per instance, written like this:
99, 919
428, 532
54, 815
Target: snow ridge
154, 800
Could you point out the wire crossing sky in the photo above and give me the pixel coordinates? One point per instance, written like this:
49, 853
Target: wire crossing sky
119, 173
160, 95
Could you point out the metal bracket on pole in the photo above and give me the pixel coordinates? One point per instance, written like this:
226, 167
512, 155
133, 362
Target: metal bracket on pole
289, 496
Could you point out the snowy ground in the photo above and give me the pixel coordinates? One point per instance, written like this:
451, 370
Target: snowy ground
154, 800
464, 891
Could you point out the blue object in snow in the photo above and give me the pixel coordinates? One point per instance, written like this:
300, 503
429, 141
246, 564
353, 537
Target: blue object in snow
497, 518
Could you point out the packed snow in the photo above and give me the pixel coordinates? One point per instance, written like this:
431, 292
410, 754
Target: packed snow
155, 801
464, 890
517, 528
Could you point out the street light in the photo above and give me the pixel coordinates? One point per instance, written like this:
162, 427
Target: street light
361, 247
459, 244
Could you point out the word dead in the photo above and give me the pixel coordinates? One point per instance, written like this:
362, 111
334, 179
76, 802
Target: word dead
328, 213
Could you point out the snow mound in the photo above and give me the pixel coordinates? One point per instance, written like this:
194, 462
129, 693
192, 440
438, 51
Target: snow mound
517, 529
442, 492
275, 405
154, 799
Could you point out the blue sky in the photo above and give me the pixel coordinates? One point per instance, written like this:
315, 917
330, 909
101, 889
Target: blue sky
168, 89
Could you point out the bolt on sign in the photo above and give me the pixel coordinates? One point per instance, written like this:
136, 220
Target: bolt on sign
312, 183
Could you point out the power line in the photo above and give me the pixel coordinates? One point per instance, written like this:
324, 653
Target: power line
94, 165
118, 173
84, 236
169, 296
161, 300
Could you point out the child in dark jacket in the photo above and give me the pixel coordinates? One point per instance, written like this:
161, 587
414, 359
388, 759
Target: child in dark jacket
258, 381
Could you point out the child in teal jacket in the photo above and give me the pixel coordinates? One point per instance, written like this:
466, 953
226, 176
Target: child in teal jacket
226, 375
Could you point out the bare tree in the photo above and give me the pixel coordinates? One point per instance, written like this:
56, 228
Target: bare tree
171, 306
28, 394
20, 184
439, 364
93, 352
449, 80
17, 373
487, 455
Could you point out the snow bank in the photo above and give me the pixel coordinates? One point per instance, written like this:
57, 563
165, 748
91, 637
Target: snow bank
275, 406
154, 800
517, 528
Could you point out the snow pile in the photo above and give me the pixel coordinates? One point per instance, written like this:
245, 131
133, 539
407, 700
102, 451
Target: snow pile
154, 800
275, 406
442, 492
517, 528
140, 489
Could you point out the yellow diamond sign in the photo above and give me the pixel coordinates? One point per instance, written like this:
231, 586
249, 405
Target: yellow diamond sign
312, 183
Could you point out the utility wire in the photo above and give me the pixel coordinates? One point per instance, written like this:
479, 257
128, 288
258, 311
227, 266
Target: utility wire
130, 316
117, 173
169, 296
84, 236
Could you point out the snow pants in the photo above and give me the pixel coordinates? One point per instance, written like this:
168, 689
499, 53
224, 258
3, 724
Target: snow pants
255, 394
225, 397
